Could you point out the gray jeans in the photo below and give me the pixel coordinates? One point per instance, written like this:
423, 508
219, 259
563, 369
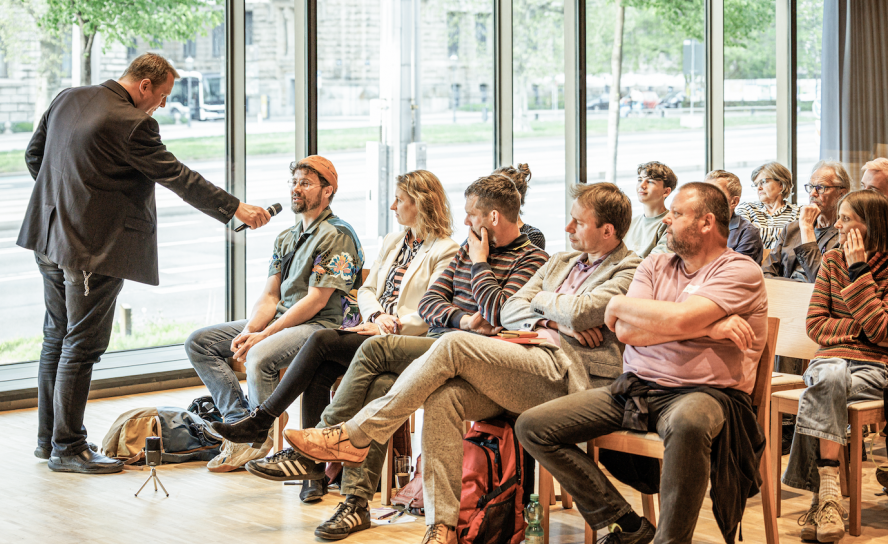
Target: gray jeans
833, 384
209, 348
76, 331
686, 422
369, 377
461, 377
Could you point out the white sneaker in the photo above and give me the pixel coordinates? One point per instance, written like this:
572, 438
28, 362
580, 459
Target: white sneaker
233, 456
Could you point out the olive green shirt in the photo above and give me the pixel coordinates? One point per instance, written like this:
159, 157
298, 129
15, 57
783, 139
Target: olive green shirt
324, 255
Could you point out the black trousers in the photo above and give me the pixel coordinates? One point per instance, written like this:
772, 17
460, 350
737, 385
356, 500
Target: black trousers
324, 358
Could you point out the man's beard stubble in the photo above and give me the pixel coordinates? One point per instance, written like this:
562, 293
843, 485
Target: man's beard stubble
306, 206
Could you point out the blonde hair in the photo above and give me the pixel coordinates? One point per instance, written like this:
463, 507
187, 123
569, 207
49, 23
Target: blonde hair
150, 66
734, 186
433, 207
880, 165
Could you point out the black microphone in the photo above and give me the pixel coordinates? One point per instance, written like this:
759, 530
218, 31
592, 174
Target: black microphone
274, 209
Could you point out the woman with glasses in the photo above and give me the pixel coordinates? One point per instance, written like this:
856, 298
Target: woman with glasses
408, 264
848, 318
773, 183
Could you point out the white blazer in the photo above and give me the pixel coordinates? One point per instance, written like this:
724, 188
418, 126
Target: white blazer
428, 264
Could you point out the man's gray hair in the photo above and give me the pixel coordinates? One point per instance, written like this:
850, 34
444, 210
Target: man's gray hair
839, 172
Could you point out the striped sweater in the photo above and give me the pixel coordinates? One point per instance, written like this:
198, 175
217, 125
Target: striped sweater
465, 288
847, 315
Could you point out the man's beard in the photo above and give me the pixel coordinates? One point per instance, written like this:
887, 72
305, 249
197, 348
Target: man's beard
307, 205
491, 240
687, 245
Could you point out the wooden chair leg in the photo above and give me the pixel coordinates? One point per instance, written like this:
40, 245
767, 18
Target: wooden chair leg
277, 434
413, 423
855, 480
545, 489
590, 536
768, 510
844, 471
647, 507
776, 439
566, 500
385, 482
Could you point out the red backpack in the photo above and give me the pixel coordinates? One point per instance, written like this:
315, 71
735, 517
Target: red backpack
495, 475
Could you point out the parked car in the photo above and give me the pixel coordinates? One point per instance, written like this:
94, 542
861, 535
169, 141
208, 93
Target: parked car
601, 102
675, 99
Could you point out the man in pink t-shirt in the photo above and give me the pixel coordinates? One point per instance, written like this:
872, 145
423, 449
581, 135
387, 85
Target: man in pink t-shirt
694, 324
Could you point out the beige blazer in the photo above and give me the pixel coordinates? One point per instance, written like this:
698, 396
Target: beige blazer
430, 261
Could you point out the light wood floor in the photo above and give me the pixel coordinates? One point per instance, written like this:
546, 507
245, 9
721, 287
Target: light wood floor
37, 505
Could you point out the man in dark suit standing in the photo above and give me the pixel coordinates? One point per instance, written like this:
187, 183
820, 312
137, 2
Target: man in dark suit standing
92, 223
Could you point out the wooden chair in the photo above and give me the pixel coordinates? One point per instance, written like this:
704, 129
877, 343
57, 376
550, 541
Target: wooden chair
548, 498
651, 445
851, 473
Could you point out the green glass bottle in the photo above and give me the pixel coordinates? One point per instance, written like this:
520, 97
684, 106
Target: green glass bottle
533, 513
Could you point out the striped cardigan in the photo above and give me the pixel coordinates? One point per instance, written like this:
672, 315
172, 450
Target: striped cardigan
847, 315
465, 288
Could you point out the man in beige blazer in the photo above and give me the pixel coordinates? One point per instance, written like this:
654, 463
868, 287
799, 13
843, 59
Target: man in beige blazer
465, 377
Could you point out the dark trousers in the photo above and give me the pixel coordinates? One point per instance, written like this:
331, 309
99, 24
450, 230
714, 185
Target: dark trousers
76, 332
688, 423
324, 358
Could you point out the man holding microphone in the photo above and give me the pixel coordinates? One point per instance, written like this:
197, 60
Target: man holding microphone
92, 223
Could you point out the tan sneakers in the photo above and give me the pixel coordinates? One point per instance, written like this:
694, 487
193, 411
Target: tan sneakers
439, 534
328, 445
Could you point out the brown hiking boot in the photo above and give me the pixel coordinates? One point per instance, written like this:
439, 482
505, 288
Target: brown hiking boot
328, 445
439, 534
830, 523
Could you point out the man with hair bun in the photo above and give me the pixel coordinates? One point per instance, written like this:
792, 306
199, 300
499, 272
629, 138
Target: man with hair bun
96, 155
520, 175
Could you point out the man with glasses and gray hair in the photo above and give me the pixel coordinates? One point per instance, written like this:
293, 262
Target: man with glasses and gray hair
314, 266
796, 257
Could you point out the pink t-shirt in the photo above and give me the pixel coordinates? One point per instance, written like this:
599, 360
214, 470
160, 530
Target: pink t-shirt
732, 281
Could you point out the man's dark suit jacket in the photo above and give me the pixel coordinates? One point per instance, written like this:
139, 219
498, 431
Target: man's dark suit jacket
95, 159
791, 259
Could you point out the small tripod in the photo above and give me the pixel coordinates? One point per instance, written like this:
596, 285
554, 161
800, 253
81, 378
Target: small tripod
154, 477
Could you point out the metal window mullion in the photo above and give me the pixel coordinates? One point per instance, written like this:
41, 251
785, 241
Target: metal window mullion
503, 148
574, 99
715, 84
305, 69
235, 159
787, 116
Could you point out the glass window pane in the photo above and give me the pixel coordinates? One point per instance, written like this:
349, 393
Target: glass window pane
750, 92
190, 244
456, 75
538, 106
809, 37
662, 84
271, 138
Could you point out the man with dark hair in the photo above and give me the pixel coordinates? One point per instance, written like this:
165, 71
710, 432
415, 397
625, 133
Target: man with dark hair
744, 237
647, 233
694, 324
91, 222
314, 266
466, 378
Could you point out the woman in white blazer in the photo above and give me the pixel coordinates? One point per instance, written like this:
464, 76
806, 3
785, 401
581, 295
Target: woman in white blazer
408, 264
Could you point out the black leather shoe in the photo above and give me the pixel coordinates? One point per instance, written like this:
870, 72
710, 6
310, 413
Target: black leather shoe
252, 429
350, 517
313, 490
85, 462
46, 452
285, 465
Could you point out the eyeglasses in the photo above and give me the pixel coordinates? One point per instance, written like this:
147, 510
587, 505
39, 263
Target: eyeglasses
762, 182
304, 185
819, 188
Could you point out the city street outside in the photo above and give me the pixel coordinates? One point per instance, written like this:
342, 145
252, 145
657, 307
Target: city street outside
192, 276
